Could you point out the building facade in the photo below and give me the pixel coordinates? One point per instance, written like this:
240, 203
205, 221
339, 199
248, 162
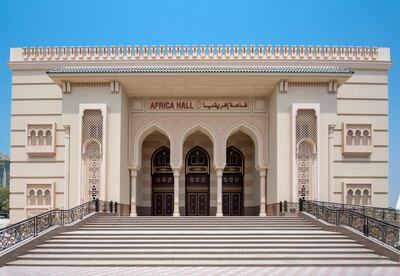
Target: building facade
4, 171
198, 130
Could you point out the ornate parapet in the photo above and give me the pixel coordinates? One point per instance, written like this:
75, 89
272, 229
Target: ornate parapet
199, 52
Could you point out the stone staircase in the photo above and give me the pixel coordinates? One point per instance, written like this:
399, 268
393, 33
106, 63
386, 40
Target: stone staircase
200, 241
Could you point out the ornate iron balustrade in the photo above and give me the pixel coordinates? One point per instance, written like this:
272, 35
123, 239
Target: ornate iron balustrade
387, 214
16, 233
371, 227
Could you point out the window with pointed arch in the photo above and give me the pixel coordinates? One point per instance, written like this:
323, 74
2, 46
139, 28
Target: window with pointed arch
93, 161
92, 141
305, 169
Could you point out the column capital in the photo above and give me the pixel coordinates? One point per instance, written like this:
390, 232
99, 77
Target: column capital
177, 172
262, 172
219, 171
133, 171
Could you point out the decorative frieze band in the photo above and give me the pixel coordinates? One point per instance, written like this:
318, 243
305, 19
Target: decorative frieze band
269, 52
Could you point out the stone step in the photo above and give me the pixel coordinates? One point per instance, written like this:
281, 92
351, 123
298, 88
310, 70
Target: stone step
202, 228
273, 242
213, 262
193, 249
194, 232
199, 221
304, 237
205, 256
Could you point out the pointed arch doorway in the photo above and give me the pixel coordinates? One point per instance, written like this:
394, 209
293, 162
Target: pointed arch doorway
197, 182
162, 202
232, 183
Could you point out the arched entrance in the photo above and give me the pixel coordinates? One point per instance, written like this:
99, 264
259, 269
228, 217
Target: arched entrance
197, 182
162, 203
232, 183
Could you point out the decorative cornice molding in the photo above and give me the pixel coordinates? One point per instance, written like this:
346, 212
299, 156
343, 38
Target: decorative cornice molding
195, 52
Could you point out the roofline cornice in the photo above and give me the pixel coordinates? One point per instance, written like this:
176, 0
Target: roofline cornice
201, 52
48, 65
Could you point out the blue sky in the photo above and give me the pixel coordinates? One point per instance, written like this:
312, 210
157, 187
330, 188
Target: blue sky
95, 22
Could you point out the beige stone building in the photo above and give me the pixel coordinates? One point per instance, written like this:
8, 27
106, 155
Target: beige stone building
198, 130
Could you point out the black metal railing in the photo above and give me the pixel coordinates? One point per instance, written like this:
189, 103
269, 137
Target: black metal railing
386, 214
381, 230
31, 227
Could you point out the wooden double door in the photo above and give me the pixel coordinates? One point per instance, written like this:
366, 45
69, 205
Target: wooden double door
232, 183
163, 195
232, 194
197, 194
197, 183
162, 183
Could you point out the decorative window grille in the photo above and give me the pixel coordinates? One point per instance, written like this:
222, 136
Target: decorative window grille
92, 139
306, 141
93, 169
92, 125
306, 125
304, 170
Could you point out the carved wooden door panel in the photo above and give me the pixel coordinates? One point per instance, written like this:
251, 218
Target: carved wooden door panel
163, 195
197, 182
232, 183
197, 195
232, 195
162, 183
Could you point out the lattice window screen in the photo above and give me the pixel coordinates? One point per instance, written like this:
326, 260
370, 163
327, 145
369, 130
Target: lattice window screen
93, 163
92, 125
304, 170
92, 128
306, 128
306, 125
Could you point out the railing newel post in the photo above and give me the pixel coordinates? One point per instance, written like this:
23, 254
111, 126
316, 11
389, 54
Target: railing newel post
97, 205
115, 207
35, 226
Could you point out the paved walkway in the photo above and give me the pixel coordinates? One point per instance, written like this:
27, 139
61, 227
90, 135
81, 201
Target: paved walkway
194, 271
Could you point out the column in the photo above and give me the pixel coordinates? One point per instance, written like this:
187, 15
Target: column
219, 172
133, 192
330, 162
263, 173
176, 192
67, 136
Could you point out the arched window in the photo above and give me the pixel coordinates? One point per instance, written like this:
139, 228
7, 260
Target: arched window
32, 197
365, 197
39, 197
93, 168
349, 197
305, 162
40, 138
92, 139
47, 197
365, 138
306, 141
161, 161
357, 198
234, 161
357, 138
49, 138
32, 140
349, 137
197, 161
